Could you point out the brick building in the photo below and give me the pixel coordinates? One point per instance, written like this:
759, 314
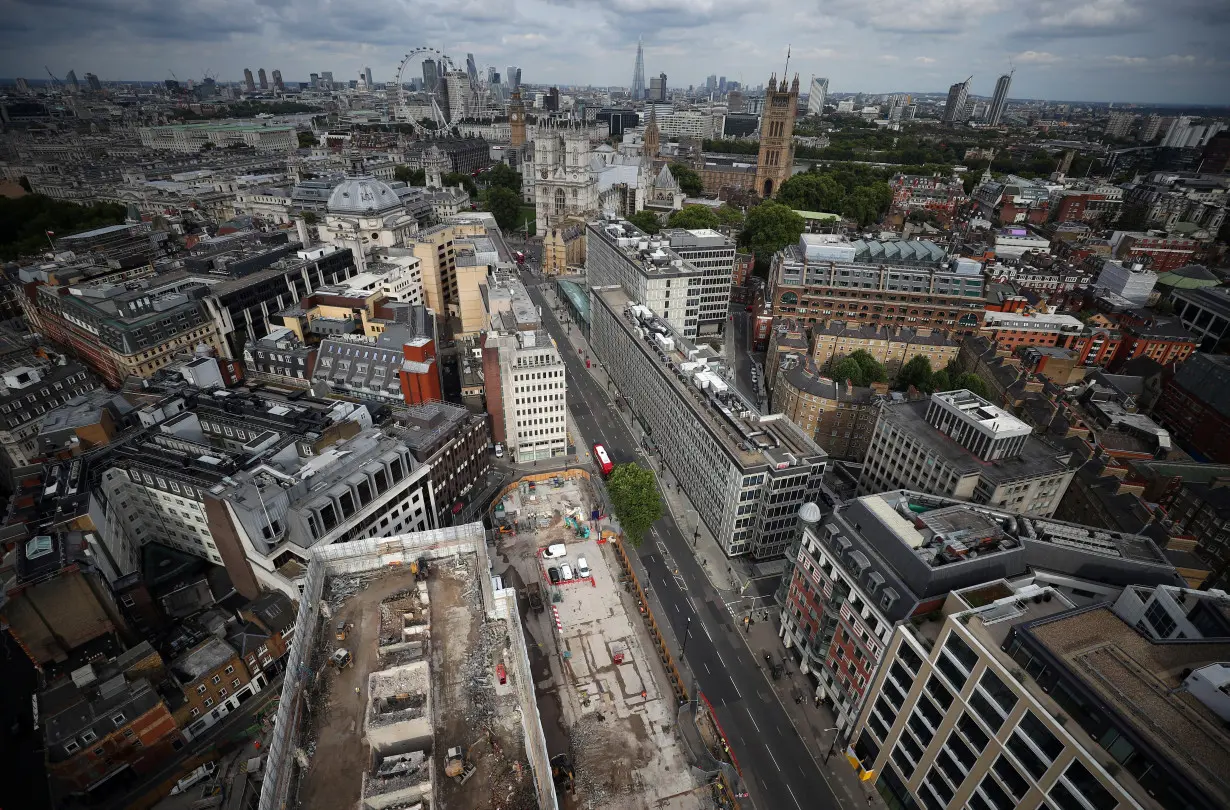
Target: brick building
214, 680
1195, 406
1163, 342
839, 416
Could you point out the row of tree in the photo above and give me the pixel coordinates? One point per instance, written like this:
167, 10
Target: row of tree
862, 370
857, 193
25, 221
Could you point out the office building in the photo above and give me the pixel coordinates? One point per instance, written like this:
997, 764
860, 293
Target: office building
816, 95
958, 445
92, 82
914, 283
650, 270
193, 137
454, 444
746, 474
657, 88
713, 254
213, 681
955, 110
999, 102
29, 392
638, 73
23, 86
892, 347
1118, 124
880, 567
523, 374
1024, 697
1204, 311
262, 79
838, 415
1011, 330
397, 367
249, 83
513, 77
278, 85
1133, 282
326, 80
775, 161
1165, 342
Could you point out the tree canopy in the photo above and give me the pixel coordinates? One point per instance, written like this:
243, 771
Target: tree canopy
647, 221
24, 222
769, 227
917, 372
856, 194
694, 217
688, 179
635, 499
505, 206
730, 217
972, 382
811, 191
501, 174
860, 368
306, 139
459, 179
411, 177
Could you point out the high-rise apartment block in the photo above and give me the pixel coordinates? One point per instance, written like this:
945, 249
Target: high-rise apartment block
746, 473
249, 83
955, 108
999, 102
1119, 123
816, 96
1023, 695
263, 79
527, 394
960, 446
776, 159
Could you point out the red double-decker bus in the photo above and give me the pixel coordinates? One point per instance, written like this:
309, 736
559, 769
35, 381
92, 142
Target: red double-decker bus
602, 459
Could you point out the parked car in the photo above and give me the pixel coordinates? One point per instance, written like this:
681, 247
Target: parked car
499, 450
554, 551
582, 568
553, 575
565, 571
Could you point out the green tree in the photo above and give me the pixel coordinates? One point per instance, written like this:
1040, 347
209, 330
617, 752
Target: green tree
694, 217
769, 227
973, 383
307, 139
647, 221
730, 217
635, 499
505, 206
411, 177
941, 381
688, 179
811, 191
458, 179
309, 217
25, 221
917, 373
1132, 217
860, 368
502, 174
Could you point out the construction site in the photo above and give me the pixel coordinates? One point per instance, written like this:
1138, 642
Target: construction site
608, 715
409, 684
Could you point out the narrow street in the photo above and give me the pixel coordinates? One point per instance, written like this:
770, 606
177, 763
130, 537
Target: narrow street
778, 768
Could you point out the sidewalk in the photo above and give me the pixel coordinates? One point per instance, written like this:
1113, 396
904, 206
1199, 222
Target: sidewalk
814, 723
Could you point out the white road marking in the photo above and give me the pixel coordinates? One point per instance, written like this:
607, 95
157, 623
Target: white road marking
779, 767
706, 629
707, 668
753, 719
796, 800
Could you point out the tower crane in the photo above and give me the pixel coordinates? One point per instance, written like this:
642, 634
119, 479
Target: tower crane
54, 81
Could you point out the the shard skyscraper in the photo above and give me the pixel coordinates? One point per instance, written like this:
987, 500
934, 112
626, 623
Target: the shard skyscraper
638, 73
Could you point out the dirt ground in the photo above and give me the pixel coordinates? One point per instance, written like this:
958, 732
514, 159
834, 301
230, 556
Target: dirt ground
340, 755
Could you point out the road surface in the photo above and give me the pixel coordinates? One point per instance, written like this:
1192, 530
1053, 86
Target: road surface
779, 771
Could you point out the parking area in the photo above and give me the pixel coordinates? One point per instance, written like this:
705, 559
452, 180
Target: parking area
601, 690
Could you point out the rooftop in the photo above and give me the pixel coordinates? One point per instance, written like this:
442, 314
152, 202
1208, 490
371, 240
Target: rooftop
653, 255
751, 438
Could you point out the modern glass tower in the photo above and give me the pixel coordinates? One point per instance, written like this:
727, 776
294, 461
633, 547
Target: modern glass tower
638, 73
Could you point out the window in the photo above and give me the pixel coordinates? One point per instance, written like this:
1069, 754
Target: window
956, 660
1040, 750
937, 690
118, 718
995, 795
71, 746
195, 712
994, 711
217, 679
229, 670
209, 702
1011, 777
1160, 619
89, 737
973, 732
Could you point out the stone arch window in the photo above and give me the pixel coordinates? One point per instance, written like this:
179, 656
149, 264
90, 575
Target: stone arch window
559, 201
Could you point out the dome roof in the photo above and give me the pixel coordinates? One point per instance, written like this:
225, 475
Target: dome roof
1189, 277
363, 195
809, 513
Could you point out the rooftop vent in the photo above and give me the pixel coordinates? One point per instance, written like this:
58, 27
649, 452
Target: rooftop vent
40, 546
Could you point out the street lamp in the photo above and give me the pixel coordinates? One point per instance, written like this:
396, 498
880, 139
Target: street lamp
833, 746
687, 633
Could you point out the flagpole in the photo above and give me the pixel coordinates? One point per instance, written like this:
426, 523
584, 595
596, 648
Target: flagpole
49, 242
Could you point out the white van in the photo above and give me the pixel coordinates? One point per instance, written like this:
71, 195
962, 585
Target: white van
582, 568
554, 551
499, 450
565, 572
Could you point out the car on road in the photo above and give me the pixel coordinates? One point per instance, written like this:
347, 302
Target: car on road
553, 575
582, 568
499, 450
554, 551
565, 571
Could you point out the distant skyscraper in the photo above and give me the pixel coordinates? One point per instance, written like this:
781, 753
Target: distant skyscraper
326, 79
492, 76
93, 83
277, 81
471, 68
721, 84
314, 80
816, 95
734, 101
264, 80
367, 75
958, 94
23, 86
638, 73
657, 88
249, 83
512, 77
431, 75
1119, 123
711, 83
71, 81
1000, 100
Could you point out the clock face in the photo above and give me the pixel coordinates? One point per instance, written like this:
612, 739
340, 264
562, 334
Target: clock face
544, 174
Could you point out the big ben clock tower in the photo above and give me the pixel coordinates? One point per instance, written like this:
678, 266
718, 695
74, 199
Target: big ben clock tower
516, 119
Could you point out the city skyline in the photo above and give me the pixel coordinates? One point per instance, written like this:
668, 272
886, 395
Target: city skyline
1111, 50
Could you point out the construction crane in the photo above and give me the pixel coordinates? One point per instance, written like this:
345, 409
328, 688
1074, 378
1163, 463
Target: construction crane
54, 81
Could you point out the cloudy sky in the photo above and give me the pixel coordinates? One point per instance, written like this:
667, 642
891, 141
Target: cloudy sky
1121, 50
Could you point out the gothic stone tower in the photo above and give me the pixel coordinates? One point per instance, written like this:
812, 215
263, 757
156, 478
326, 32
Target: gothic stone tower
516, 119
652, 136
776, 136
